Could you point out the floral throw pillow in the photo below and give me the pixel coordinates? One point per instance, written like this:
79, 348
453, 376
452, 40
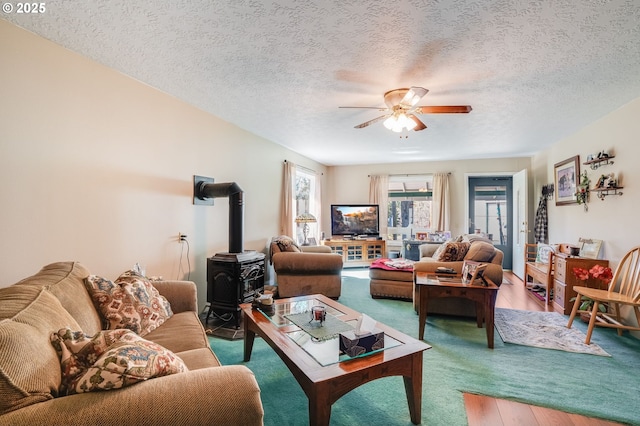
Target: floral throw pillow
130, 302
111, 359
451, 251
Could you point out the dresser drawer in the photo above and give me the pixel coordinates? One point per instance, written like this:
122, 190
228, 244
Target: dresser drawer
561, 268
559, 295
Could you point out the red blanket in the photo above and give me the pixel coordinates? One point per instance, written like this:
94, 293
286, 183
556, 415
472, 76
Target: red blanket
393, 264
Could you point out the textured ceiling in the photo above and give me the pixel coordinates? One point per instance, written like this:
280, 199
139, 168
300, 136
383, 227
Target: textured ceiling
533, 71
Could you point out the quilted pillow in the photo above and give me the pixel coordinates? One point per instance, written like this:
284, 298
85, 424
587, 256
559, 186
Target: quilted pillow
130, 302
479, 251
451, 251
111, 359
285, 243
282, 243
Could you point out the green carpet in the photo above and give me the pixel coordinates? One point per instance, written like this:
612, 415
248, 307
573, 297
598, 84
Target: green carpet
603, 387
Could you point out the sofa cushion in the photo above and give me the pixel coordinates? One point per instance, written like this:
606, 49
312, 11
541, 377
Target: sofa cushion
111, 359
29, 366
451, 251
480, 251
473, 238
130, 302
182, 332
65, 280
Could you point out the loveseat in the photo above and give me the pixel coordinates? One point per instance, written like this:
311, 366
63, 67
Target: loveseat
303, 270
478, 251
30, 368
399, 284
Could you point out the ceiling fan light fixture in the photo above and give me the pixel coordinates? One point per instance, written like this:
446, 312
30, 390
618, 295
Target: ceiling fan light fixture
389, 122
402, 110
397, 126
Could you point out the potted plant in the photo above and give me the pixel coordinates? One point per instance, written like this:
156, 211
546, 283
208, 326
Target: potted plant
598, 272
582, 191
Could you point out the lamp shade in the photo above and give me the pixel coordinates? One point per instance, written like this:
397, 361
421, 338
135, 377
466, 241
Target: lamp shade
306, 218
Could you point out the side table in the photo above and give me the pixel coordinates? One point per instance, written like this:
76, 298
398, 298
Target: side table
431, 286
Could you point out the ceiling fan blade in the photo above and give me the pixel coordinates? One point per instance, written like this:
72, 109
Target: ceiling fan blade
413, 96
443, 109
419, 124
360, 107
375, 120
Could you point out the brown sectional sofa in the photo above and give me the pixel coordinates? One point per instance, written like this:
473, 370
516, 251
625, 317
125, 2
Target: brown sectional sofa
30, 374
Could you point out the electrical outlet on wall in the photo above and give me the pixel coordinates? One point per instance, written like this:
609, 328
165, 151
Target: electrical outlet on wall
181, 237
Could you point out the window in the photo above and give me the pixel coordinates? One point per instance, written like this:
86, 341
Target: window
409, 210
305, 201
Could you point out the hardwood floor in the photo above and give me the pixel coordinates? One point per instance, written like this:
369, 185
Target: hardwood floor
487, 411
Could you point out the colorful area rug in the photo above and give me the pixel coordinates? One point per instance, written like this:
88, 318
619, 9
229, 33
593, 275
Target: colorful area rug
546, 330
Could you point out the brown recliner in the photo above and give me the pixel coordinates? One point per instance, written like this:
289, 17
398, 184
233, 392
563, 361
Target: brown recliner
302, 270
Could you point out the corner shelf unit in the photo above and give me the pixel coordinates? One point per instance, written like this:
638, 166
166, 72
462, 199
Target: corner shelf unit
599, 162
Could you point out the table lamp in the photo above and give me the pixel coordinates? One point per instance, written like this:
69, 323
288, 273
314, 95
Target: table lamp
305, 218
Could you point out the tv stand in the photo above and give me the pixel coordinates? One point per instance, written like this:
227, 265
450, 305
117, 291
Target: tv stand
357, 252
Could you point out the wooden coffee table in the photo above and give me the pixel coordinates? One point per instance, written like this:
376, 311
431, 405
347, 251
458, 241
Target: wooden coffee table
324, 375
432, 286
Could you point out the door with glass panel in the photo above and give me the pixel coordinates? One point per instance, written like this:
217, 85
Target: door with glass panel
490, 207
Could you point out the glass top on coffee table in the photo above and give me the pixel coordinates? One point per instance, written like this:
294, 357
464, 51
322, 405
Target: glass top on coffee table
325, 351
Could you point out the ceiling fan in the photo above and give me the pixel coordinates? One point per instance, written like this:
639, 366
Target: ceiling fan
402, 111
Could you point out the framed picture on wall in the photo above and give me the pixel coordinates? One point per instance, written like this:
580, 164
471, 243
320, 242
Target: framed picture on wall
566, 175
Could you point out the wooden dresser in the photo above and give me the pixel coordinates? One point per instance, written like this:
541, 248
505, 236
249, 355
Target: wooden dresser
565, 280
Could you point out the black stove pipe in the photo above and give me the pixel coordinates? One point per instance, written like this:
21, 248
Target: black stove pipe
236, 209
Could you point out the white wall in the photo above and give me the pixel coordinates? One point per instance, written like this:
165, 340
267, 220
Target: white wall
97, 167
350, 184
613, 219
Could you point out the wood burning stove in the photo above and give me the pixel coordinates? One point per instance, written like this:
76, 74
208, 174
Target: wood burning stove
233, 277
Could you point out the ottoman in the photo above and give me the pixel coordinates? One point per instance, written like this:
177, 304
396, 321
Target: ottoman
391, 282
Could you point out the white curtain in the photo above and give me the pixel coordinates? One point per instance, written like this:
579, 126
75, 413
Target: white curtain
379, 194
440, 206
287, 211
318, 206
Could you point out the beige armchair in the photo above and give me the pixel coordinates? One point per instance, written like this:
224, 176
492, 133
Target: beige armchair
302, 270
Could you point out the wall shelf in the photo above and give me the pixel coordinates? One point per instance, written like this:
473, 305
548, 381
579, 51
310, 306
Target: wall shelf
604, 192
599, 162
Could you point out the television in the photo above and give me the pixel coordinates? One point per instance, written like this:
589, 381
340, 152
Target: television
355, 219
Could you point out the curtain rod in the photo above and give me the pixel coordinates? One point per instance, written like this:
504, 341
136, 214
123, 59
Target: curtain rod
304, 168
413, 174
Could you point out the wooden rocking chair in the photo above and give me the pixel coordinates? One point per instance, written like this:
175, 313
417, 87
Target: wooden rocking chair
624, 289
